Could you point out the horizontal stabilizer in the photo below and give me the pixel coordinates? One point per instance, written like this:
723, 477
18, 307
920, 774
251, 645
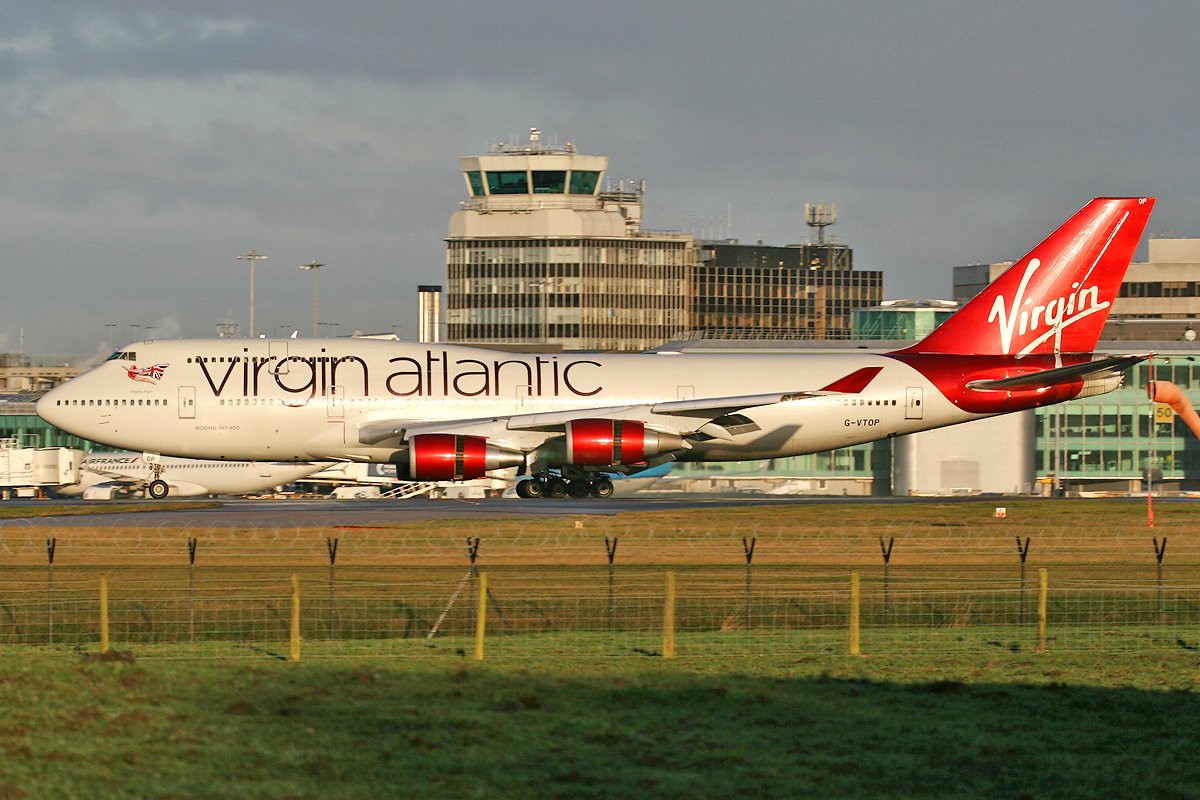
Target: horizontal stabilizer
1088, 370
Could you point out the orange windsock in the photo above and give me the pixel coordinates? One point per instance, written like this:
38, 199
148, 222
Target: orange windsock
1172, 395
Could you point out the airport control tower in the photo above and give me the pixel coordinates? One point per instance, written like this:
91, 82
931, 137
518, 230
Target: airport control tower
546, 252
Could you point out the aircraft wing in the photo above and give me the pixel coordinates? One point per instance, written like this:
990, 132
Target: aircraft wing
673, 416
114, 477
706, 409
1044, 379
676, 416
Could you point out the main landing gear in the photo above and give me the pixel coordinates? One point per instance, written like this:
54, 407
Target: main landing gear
557, 488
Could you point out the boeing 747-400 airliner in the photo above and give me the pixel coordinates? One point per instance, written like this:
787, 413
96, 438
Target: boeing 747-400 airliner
444, 412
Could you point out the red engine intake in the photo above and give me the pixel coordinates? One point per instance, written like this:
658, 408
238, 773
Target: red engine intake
452, 457
605, 442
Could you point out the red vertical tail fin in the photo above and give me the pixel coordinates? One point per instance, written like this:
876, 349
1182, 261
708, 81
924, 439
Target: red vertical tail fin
1056, 298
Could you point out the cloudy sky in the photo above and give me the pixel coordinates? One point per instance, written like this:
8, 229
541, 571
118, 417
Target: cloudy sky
143, 146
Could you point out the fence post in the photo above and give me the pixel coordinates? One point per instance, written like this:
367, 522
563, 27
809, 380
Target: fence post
332, 546
748, 549
1159, 552
855, 606
51, 546
1023, 552
103, 613
611, 549
295, 635
668, 648
481, 616
1043, 590
191, 589
886, 552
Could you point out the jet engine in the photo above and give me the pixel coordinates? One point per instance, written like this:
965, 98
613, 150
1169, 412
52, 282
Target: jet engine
605, 442
453, 457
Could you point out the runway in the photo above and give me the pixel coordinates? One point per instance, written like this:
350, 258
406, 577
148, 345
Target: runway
293, 513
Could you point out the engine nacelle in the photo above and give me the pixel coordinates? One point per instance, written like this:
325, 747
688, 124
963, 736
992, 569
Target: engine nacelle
605, 442
453, 457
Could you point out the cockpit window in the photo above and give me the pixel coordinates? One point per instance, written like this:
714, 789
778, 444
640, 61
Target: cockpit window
123, 355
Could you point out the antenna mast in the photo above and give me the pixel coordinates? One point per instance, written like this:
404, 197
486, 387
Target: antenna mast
820, 216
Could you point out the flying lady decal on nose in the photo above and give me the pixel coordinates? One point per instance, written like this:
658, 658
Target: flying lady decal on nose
147, 374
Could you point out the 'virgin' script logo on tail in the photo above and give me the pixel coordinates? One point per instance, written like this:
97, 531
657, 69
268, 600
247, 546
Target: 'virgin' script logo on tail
1022, 317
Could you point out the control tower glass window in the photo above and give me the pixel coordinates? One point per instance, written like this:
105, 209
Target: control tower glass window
549, 181
584, 181
476, 181
508, 183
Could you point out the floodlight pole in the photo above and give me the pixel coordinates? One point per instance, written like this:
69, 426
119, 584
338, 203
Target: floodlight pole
312, 267
252, 257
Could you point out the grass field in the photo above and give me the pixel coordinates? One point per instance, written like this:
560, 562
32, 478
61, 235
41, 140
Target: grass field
1013, 725
948, 700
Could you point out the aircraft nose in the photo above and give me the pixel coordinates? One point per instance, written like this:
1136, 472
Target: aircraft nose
49, 408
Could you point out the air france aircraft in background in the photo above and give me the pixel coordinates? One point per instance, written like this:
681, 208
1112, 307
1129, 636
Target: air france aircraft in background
442, 412
108, 475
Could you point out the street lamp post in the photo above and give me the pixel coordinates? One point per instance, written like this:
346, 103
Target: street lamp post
252, 257
312, 267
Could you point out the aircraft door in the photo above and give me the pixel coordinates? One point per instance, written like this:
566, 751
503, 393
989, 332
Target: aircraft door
912, 403
187, 402
685, 392
524, 398
337, 403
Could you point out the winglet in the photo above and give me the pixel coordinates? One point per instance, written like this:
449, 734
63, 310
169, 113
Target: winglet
855, 382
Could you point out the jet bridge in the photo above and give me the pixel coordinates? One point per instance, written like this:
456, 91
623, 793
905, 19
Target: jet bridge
25, 470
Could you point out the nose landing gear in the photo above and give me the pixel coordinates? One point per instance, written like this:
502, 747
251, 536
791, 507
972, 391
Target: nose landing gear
157, 489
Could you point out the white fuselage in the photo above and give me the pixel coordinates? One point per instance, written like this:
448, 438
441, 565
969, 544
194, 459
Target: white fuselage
310, 400
184, 477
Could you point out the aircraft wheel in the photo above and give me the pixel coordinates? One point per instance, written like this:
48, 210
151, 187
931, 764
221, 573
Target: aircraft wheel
602, 488
523, 489
532, 488
158, 489
556, 488
579, 489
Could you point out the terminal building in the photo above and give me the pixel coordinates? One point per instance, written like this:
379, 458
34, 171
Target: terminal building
800, 291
